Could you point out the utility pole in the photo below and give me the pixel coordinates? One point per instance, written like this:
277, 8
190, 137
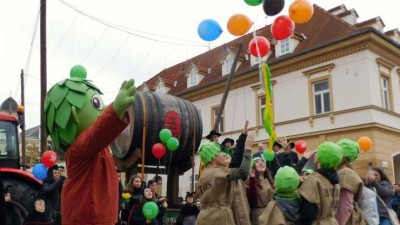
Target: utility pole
227, 87
43, 75
22, 126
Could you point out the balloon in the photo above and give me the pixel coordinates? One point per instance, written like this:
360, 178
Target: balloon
158, 150
273, 7
49, 158
282, 27
165, 134
239, 24
78, 71
209, 30
150, 210
365, 143
259, 46
39, 171
172, 144
300, 146
253, 2
301, 11
269, 156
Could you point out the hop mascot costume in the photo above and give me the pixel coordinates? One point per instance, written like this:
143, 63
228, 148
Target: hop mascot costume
81, 125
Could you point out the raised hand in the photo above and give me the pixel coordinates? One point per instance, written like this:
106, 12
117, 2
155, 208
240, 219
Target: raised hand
124, 97
250, 140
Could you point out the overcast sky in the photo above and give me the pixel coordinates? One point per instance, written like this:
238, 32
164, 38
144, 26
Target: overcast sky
121, 39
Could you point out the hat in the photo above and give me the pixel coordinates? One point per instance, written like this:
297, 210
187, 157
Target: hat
329, 155
292, 144
286, 181
277, 143
208, 151
189, 194
213, 132
228, 140
350, 149
253, 161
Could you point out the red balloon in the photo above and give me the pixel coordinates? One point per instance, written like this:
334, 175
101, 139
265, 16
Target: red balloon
158, 150
301, 146
282, 27
49, 158
259, 46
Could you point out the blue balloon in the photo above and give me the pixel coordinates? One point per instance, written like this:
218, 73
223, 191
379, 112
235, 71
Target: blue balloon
209, 30
39, 171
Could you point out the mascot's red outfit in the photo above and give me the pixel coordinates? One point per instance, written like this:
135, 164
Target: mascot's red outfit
90, 194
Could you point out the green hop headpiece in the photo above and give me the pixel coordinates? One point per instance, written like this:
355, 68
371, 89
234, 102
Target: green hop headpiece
208, 151
329, 155
286, 181
253, 160
61, 100
350, 149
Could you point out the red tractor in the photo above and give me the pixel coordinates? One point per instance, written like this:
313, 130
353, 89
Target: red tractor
21, 184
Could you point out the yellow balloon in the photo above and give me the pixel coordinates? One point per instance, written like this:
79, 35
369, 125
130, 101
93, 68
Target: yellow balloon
301, 11
239, 24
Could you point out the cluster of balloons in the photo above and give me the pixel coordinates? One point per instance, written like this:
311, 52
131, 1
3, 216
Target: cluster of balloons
172, 143
48, 159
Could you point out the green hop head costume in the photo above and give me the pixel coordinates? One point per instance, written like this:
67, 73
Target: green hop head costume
208, 151
286, 182
329, 155
70, 106
350, 149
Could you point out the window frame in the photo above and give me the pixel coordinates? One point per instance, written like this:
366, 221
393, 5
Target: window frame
213, 117
284, 46
389, 104
311, 83
260, 106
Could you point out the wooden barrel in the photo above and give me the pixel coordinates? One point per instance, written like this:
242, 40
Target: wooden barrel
150, 113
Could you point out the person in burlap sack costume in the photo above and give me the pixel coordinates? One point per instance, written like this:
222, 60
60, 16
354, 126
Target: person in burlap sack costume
284, 208
260, 188
320, 191
214, 185
351, 186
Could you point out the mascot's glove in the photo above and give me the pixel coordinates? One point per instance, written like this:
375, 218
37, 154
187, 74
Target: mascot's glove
124, 98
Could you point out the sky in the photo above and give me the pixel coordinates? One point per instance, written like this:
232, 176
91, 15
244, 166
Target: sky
122, 39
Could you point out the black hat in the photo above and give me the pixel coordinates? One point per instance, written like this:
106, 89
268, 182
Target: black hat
292, 144
228, 140
213, 132
189, 194
277, 144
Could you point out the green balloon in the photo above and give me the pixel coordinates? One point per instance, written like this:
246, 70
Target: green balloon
150, 210
78, 71
254, 2
165, 135
269, 156
172, 144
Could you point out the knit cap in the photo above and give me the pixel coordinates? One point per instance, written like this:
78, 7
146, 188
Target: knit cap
329, 155
350, 148
286, 182
208, 151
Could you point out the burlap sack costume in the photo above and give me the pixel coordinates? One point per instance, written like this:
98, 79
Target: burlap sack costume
351, 181
265, 195
240, 205
215, 187
317, 189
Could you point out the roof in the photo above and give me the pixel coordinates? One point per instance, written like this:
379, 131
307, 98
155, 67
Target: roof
323, 28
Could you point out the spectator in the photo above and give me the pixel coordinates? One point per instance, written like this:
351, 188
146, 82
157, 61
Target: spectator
395, 200
134, 187
213, 136
137, 217
272, 165
227, 146
289, 157
38, 217
13, 216
189, 212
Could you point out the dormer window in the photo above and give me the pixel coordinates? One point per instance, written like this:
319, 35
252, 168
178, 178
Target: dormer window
160, 88
193, 79
227, 65
285, 46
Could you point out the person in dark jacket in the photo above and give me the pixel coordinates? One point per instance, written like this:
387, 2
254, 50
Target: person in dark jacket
12, 214
135, 188
51, 194
380, 183
189, 212
137, 217
38, 217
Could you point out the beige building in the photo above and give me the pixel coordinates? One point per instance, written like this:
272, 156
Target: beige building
334, 78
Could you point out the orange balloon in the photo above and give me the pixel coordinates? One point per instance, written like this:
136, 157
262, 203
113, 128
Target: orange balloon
365, 143
301, 11
239, 24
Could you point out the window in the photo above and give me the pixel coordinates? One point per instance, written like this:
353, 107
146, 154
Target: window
196, 178
160, 88
261, 106
385, 92
215, 111
8, 140
193, 79
228, 65
322, 103
285, 46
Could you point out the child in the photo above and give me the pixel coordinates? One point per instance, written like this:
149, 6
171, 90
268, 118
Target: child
189, 212
284, 209
320, 191
38, 216
214, 185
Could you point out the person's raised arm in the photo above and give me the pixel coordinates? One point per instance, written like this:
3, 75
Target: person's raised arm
243, 171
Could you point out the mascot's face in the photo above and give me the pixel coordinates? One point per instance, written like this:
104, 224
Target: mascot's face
92, 108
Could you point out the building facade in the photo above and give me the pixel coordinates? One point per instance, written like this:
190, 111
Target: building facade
333, 78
